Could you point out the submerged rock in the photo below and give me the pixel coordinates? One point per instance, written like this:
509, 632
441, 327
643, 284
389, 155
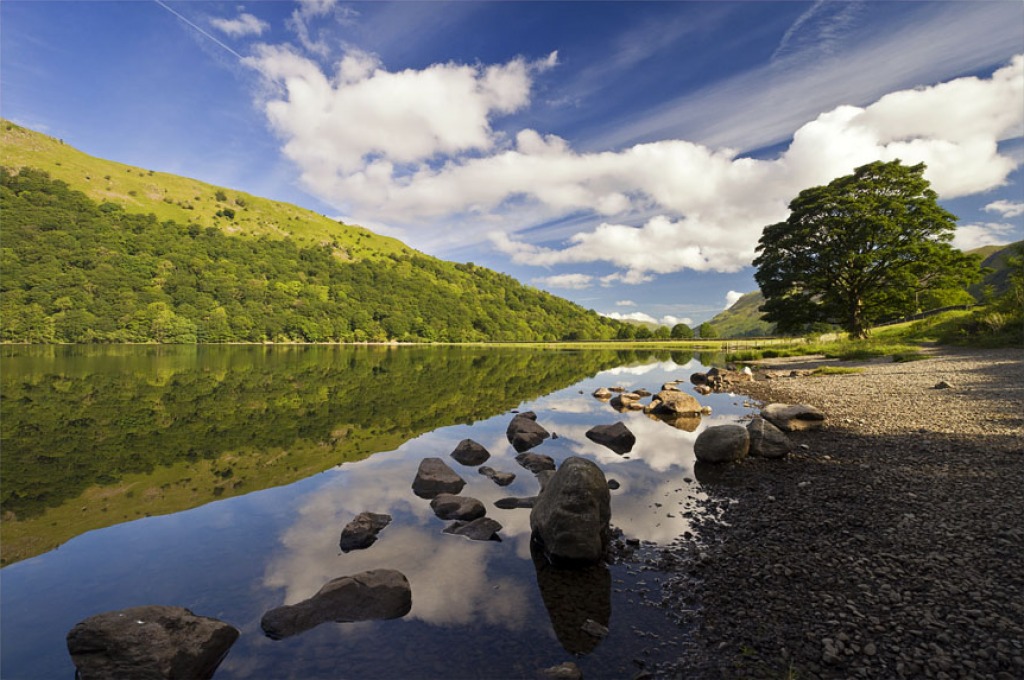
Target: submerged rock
435, 477
722, 444
499, 478
362, 531
563, 671
469, 452
449, 506
149, 642
367, 596
570, 519
524, 433
512, 502
616, 437
482, 529
536, 462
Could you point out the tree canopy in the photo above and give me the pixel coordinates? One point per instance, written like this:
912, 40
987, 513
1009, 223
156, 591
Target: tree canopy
865, 247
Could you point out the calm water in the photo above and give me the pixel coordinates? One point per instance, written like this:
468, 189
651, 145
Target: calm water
219, 479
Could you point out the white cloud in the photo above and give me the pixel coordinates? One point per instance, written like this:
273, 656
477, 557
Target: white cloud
669, 320
970, 236
242, 25
417, 148
731, 297
570, 281
1006, 208
632, 316
625, 303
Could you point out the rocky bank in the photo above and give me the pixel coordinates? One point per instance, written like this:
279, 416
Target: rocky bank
889, 544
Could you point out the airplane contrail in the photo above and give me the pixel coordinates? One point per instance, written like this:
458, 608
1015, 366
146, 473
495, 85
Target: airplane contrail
201, 31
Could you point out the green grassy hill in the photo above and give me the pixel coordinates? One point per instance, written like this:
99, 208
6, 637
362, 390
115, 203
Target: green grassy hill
742, 319
96, 251
998, 280
183, 200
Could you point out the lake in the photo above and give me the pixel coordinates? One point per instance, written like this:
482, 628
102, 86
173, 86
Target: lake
219, 479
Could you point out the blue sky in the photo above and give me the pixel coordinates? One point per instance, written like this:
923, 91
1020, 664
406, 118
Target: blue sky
622, 155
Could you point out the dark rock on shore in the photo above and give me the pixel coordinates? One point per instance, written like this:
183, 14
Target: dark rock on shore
722, 444
367, 596
570, 519
149, 642
524, 433
793, 417
768, 441
470, 453
435, 477
616, 437
450, 506
362, 531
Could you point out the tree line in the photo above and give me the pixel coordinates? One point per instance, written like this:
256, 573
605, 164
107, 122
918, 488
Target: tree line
78, 271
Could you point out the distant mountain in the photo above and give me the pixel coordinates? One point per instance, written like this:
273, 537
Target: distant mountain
743, 319
998, 280
97, 251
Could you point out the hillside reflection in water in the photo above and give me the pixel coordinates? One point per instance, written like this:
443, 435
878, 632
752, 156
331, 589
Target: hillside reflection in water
480, 609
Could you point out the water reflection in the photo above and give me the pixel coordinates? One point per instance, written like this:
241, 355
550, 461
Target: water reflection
479, 608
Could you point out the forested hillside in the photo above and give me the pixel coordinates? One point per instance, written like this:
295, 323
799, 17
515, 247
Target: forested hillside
78, 270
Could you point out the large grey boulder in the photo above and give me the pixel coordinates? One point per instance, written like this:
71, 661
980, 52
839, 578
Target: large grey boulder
524, 433
793, 417
449, 506
673, 403
722, 444
768, 441
499, 478
367, 596
570, 518
469, 452
435, 477
616, 437
362, 531
149, 642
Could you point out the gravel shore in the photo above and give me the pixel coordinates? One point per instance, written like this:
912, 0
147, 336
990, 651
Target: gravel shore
890, 544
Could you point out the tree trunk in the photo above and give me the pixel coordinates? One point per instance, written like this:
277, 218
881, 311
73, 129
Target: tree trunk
855, 326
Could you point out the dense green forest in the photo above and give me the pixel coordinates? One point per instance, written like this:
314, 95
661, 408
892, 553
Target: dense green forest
79, 271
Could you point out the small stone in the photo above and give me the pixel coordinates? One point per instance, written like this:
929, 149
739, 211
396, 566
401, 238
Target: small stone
592, 627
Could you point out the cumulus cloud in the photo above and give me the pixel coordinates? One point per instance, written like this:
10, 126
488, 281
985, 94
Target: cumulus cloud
570, 281
632, 316
417, 147
669, 320
970, 236
242, 25
731, 297
1006, 208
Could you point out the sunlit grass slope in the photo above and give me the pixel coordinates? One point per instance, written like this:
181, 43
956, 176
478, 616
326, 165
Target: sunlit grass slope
184, 200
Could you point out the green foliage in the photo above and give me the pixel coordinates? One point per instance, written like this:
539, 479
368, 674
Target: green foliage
75, 271
681, 332
865, 247
706, 330
836, 370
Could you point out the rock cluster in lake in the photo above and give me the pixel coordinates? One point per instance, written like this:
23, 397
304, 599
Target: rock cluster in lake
524, 432
435, 477
362, 531
367, 596
499, 478
149, 642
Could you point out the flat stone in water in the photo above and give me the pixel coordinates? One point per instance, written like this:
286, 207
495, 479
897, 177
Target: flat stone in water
483, 529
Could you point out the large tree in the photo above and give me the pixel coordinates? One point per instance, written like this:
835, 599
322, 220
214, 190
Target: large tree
863, 248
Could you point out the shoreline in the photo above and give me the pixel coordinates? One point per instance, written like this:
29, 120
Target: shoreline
889, 544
